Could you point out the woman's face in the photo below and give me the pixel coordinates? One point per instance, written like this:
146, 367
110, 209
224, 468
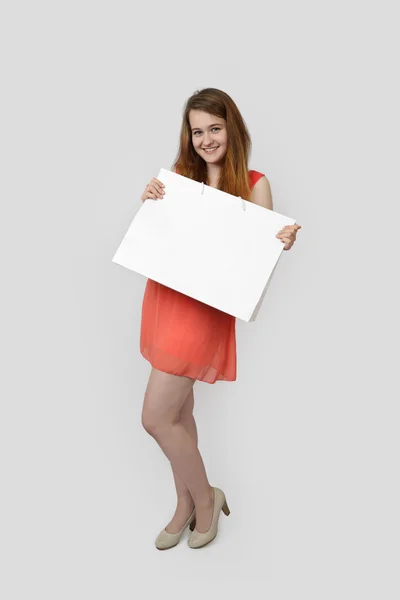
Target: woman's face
208, 131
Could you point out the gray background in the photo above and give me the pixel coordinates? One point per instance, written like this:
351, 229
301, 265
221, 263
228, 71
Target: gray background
305, 442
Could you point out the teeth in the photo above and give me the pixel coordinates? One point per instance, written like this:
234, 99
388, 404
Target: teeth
210, 150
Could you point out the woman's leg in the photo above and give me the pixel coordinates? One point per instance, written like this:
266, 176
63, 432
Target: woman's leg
185, 502
164, 398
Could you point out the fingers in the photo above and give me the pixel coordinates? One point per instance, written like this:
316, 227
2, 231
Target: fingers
288, 232
290, 228
288, 241
155, 188
288, 235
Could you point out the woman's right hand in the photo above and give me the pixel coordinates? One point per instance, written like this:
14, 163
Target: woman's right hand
153, 190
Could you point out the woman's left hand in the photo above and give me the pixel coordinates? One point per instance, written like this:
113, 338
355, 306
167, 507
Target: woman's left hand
288, 235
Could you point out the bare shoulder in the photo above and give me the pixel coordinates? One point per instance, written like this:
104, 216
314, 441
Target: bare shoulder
261, 193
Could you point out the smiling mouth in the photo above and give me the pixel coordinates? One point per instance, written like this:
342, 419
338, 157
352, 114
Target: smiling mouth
210, 150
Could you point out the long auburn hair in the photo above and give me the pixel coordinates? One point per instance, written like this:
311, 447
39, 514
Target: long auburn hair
234, 175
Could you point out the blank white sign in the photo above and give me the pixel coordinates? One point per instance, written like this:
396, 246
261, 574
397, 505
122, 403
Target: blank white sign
205, 243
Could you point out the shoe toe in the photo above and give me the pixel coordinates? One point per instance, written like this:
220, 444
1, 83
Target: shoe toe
199, 540
166, 540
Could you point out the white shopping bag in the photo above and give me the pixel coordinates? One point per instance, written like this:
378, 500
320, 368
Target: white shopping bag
205, 243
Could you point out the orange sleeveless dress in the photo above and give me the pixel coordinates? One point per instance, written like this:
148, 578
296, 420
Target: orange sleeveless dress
183, 336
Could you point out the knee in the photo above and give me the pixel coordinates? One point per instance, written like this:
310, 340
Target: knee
152, 421
155, 423
149, 421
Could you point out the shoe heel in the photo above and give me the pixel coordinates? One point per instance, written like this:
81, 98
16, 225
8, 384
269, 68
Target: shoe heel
225, 509
192, 524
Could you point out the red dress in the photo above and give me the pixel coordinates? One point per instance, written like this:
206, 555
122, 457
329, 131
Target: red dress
183, 336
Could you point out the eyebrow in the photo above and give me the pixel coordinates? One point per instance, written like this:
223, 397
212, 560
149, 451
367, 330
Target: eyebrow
213, 125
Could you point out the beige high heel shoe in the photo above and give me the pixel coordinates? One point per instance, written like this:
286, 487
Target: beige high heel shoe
197, 539
166, 540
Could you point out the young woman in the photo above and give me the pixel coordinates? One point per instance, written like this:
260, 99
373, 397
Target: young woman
186, 340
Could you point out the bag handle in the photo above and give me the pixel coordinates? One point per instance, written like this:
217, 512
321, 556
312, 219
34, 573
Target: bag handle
243, 202
240, 198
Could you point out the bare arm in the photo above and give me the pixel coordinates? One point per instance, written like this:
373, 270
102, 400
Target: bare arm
261, 193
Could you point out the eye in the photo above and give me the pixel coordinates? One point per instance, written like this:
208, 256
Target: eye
198, 131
